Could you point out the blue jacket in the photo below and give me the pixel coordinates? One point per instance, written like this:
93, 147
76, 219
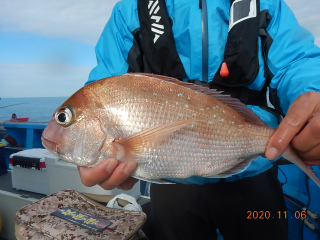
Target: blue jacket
293, 58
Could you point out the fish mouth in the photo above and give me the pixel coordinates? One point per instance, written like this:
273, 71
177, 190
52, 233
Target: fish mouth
48, 144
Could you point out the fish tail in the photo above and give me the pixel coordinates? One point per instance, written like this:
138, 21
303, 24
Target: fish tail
291, 155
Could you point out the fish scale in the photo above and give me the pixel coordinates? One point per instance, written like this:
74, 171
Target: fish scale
172, 129
199, 153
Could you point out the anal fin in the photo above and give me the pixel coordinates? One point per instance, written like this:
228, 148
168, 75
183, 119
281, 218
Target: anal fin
158, 181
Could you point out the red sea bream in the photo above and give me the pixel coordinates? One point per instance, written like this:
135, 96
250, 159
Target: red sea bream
171, 128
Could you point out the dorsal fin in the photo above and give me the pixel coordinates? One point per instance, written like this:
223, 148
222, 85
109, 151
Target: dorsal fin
234, 103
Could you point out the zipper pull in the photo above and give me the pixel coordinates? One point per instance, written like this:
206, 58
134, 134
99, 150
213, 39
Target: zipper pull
224, 71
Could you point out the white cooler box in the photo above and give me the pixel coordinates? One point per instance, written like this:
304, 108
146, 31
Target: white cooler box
28, 170
64, 175
53, 175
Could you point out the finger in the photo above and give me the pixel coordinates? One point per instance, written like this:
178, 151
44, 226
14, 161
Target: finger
312, 162
128, 184
309, 137
297, 116
101, 172
119, 175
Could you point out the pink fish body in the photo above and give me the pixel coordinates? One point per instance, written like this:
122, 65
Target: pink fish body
171, 128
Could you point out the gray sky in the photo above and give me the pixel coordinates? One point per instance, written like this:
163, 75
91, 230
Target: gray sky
80, 20
47, 47
307, 13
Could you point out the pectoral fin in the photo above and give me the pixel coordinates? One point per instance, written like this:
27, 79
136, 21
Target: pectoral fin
131, 147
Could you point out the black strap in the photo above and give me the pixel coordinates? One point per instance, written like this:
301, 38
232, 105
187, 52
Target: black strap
160, 55
266, 42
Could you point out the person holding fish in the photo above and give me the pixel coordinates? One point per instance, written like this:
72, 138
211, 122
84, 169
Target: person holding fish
166, 123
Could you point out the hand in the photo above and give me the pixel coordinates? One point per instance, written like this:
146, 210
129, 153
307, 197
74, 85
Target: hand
109, 174
301, 127
11, 141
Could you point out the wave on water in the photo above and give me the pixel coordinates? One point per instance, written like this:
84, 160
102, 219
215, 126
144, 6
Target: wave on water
37, 109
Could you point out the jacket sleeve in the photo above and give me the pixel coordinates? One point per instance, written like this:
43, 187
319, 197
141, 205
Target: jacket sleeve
293, 57
114, 43
3, 132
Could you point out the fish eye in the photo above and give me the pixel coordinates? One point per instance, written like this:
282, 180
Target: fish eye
64, 116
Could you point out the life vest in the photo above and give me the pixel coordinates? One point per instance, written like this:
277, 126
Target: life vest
247, 24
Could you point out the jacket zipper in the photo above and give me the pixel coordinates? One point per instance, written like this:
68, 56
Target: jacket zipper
204, 26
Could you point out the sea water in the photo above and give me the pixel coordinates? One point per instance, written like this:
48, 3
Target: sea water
38, 109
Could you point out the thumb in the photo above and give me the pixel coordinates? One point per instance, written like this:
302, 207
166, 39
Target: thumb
297, 116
